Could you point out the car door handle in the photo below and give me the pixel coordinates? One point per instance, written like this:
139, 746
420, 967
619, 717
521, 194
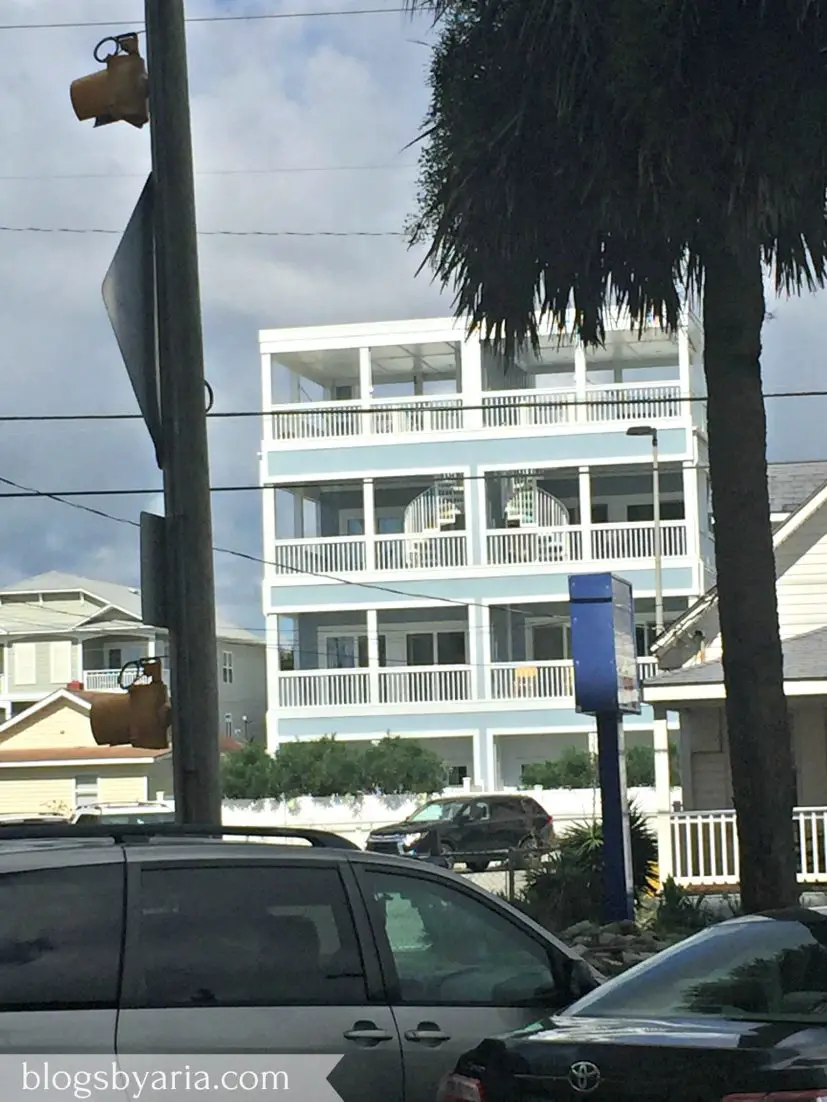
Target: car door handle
367, 1033
427, 1034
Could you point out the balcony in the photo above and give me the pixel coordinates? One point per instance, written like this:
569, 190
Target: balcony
309, 690
107, 681
386, 419
505, 547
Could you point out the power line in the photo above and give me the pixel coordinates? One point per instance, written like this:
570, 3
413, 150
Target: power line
303, 409
100, 231
282, 170
257, 18
63, 499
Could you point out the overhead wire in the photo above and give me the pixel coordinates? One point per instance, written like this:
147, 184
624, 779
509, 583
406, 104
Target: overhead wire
254, 17
304, 409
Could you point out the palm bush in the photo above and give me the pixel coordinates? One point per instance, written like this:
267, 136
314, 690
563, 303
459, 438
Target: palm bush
568, 887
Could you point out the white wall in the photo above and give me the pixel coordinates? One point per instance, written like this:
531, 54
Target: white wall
355, 818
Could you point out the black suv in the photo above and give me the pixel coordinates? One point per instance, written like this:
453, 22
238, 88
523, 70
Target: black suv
473, 830
163, 940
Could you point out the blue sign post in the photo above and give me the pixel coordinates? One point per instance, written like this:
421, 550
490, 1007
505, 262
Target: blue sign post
607, 686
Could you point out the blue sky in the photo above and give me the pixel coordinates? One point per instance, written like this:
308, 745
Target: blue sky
291, 94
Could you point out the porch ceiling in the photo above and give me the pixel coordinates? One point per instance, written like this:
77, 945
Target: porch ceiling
805, 674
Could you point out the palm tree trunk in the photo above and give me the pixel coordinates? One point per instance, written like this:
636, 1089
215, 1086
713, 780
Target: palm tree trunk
760, 745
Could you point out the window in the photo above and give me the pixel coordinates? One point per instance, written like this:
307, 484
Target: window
758, 970
550, 642
346, 652
228, 725
25, 663
115, 659
449, 948
389, 526
600, 514
248, 936
227, 667
355, 526
86, 790
60, 661
456, 775
447, 646
669, 510
60, 938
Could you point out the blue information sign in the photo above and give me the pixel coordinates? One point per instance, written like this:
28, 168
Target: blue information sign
606, 677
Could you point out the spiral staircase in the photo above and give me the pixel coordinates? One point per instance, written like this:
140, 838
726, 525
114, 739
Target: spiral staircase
441, 508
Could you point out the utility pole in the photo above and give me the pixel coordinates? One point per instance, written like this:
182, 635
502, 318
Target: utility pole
190, 582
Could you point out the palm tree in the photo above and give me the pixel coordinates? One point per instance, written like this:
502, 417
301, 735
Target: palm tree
582, 154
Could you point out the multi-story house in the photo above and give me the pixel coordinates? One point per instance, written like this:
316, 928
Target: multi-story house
424, 505
57, 630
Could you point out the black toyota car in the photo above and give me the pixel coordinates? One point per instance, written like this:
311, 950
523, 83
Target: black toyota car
737, 1013
473, 830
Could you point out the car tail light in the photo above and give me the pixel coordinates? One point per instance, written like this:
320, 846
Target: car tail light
460, 1088
817, 1095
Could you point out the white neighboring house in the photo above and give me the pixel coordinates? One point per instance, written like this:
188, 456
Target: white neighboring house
423, 509
58, 629
702, 848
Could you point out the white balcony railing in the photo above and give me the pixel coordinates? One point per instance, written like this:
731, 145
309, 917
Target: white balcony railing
623, 402
513, 681
107, 681
616, 542
327, 555
388, 418
323, 688
532, 681
524, 546
421, 552
705, 846
415, 684
637, 540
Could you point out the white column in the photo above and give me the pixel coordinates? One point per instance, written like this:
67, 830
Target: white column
485, 763
365, 389
471, 352
692, 515
479, 649
271, 638
685, 363
267, 425
592, 742
476, 518
585, 488
373, 654
663, 795
580, 374
369, 506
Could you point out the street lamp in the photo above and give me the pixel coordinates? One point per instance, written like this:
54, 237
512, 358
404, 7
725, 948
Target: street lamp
652, 433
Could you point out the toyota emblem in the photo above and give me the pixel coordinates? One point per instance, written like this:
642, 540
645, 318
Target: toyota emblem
584, 1077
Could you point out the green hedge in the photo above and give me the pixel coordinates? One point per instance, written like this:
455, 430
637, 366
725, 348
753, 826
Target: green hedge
578, 769
325, 767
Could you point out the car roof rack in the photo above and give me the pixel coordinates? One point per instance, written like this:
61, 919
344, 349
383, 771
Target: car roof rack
126, 832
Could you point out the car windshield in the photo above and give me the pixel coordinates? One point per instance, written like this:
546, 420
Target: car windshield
439, 809
755, 969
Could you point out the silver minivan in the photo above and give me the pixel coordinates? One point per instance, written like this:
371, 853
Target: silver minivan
159, 943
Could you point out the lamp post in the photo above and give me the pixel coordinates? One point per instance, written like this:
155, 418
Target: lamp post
652, 433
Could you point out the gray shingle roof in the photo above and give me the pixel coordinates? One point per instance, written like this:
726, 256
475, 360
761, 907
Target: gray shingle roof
805, 659
792, 483
56, 617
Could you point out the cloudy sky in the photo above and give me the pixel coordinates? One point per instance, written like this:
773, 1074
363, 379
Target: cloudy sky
299, 124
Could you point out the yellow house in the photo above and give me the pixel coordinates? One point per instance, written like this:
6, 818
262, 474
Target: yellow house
49, 761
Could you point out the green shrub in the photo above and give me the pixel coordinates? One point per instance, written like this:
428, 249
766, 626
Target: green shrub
680, 911
568, 887
325, 767
573, 769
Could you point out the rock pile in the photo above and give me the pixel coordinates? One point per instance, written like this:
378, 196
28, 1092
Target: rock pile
614, 948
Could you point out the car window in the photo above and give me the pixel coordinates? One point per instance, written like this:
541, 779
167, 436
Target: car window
450, 948
758, 969
502, 812
247, 936
430, 813
60, 938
